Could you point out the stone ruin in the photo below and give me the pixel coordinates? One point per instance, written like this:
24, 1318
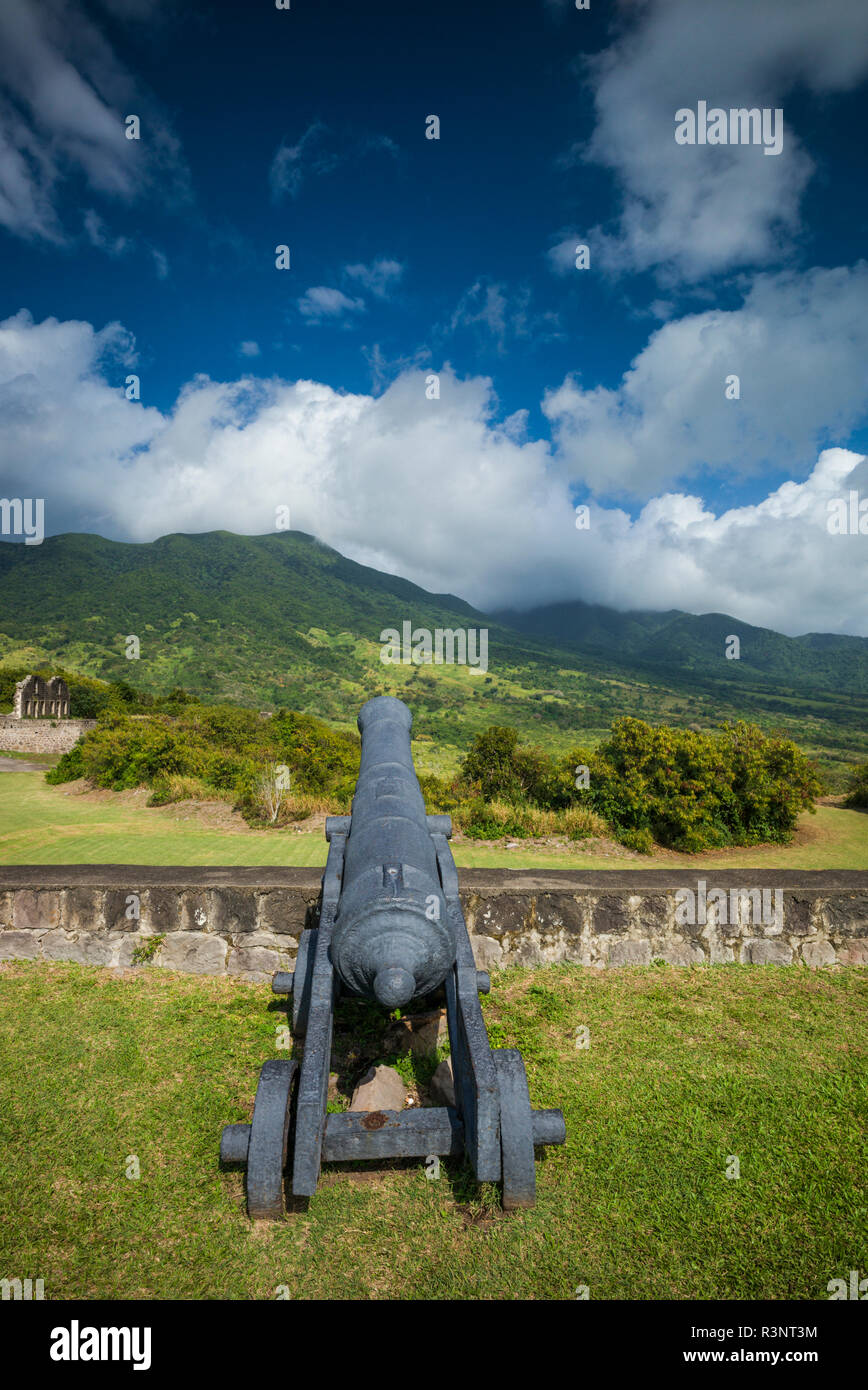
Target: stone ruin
36, 698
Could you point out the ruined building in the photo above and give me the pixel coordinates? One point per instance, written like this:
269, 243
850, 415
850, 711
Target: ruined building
36, 698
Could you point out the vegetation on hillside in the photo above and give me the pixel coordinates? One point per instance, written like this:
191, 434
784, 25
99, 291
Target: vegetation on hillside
284, 622
679, 788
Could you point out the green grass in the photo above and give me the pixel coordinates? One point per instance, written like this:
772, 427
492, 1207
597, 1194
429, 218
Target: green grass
40, 824
685, 1068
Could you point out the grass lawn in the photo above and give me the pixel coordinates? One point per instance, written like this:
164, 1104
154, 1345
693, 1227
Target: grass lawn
40, 824
685, 1069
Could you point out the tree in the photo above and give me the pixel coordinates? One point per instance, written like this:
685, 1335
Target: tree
270, 787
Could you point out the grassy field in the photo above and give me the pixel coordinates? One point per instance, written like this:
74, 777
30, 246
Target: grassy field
686, 1069
40, 824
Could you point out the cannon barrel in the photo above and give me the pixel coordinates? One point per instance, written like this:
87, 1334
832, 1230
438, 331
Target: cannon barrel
392, 937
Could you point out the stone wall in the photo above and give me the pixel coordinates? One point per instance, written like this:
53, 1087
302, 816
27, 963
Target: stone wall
41, 735
247, 922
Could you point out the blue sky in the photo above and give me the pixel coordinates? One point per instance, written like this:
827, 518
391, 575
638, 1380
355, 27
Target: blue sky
411, 256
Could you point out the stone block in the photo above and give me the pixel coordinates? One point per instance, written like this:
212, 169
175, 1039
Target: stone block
487, 953
199, 953
681, 953
629, 953
655, 912
84, 909
503, 914
610, 914
127, 943
284, 911
20, 945
767, 953
559, 912
196, 911
818, 953
851, 953
162, 911
798, 915
847, 915
6, 910
37, 910
85, 948
258, 960
123, 909
232, 910
527, 952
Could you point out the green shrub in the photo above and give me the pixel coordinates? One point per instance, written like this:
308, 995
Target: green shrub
857, 788
694, 791
639, 840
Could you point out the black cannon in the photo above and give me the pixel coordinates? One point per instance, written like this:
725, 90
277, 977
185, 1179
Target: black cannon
390, 929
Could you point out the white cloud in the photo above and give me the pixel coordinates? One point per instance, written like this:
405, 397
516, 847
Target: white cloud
690, 211
320, 303
438, 491
378, 278
64, 99
249, 349
798, 345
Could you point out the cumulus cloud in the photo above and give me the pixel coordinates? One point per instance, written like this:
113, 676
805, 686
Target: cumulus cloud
249, 348
63, 99
798, 345
690, 211
442, 492
320, 303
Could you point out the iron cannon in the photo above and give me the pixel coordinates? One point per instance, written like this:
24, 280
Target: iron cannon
391, 929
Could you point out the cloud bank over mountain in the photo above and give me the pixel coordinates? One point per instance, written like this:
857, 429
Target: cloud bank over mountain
443, 491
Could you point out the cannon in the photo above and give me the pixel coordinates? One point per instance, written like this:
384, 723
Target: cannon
390, 929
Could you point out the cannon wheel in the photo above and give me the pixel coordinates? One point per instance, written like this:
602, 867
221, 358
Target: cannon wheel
516, 1130
269, 1139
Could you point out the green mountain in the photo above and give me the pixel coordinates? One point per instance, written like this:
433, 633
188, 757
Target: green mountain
681, 641
284, 621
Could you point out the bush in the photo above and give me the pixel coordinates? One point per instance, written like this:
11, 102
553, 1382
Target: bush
639, 840
497, 767
693, 791
857, 788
